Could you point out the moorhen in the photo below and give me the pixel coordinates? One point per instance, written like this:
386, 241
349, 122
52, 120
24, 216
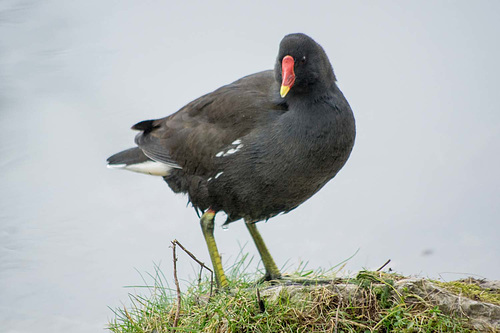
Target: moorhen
254, 148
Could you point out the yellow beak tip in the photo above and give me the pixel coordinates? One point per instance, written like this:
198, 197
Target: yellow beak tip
284, 90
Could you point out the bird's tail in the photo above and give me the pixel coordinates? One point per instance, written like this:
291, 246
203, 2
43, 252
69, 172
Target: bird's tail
134, 159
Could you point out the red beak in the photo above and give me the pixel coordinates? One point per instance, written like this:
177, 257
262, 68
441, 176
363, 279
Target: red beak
287, 74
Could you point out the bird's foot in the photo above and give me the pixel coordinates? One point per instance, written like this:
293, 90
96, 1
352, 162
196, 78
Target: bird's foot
287, 279
272, 278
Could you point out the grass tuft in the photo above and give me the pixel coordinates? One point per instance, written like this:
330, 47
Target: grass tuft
370, 302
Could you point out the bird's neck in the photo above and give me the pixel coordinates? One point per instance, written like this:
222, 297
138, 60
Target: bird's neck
314, 95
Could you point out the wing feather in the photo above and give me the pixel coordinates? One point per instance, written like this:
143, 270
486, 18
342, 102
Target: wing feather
191, 137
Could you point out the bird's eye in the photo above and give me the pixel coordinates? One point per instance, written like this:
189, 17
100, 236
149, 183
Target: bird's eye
303, 60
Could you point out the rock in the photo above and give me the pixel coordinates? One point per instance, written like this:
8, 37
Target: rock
482, 316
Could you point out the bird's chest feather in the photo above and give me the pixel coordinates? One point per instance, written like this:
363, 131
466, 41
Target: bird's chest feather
281, 166
296, 152
310, 142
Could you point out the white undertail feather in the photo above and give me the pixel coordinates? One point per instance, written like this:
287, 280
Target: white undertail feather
149, 167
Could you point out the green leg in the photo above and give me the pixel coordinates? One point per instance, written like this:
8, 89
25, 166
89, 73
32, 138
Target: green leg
207, 226
272, 271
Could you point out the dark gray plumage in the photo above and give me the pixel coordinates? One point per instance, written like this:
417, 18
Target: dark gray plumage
245, 150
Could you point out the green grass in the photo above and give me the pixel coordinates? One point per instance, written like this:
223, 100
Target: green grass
470, 288
377, 306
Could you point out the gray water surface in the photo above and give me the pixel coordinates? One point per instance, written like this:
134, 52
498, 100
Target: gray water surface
421, 187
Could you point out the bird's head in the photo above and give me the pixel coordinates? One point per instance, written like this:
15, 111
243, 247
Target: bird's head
303, 65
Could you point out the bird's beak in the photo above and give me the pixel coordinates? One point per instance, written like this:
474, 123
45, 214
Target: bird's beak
287, 74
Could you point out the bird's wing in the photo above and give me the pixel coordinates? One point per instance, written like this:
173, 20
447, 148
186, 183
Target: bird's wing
192, 136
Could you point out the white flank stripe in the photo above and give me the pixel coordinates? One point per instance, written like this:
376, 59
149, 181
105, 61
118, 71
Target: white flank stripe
234, 150
230, 152
148, 167
218, 175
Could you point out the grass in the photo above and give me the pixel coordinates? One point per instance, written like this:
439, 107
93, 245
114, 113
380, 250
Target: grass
471, 288
374, 306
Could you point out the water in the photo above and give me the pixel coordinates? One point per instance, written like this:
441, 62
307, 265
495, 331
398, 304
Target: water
421, 186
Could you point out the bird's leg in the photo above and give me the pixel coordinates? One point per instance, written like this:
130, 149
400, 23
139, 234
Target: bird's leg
207, 226
272, 271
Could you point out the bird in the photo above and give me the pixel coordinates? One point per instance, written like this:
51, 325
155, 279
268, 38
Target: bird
254, 148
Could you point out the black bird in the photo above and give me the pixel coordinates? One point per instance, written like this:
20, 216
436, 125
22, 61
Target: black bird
254, 148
